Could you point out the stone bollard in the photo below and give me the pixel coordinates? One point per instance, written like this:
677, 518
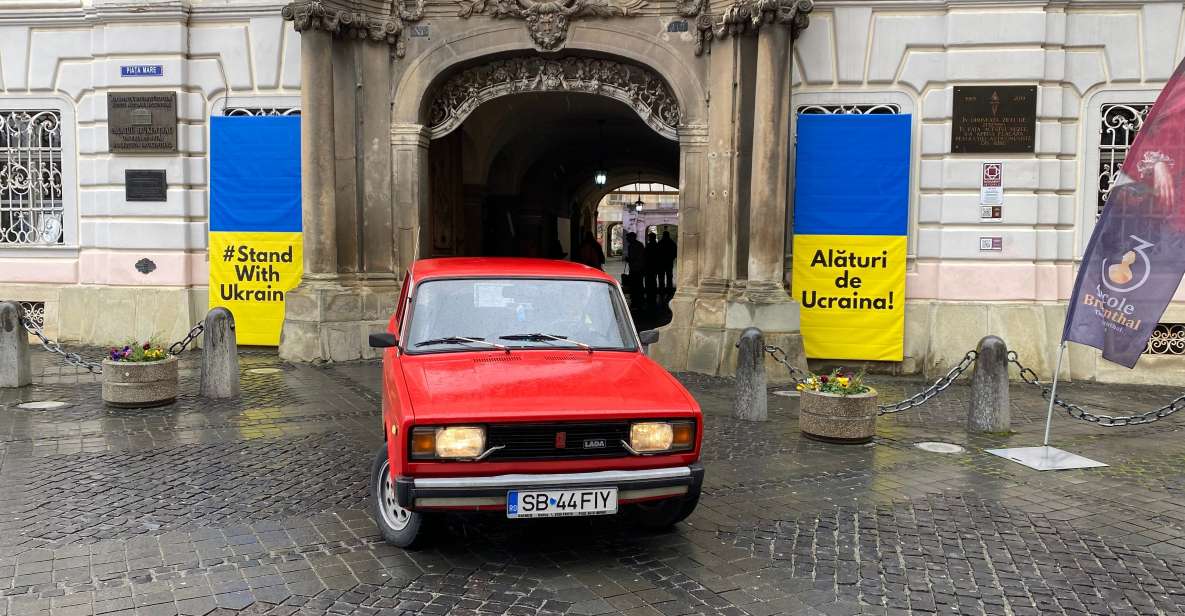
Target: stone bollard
14, 347
220, 356
990, 410
751, 397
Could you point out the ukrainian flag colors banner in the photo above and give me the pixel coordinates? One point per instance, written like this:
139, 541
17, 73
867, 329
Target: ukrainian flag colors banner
255, 226
851, 214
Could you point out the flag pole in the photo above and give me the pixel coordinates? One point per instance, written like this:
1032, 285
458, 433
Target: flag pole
1057, 371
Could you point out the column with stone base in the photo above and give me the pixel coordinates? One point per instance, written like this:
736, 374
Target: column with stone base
302, 338
765, 303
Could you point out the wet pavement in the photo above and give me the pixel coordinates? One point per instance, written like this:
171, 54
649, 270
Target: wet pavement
258, 506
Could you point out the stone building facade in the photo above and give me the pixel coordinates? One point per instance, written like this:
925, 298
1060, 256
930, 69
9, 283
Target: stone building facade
454, 127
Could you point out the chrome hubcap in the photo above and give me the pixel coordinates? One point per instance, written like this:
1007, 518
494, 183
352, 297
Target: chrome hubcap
395, 516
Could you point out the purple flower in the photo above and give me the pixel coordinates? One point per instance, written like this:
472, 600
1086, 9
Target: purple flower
147, 346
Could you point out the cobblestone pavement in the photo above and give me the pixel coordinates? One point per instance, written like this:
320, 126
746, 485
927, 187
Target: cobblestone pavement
257, 506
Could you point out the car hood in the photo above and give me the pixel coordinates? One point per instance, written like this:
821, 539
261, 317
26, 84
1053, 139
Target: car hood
536, 385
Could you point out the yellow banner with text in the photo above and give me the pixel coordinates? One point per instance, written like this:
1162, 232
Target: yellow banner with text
852, 294
250, 273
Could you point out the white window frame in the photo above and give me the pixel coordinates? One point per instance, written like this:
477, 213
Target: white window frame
906, 103
1091, 138
70, 206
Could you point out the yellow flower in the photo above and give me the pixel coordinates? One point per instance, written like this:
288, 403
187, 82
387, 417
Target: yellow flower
801, 387
842, 380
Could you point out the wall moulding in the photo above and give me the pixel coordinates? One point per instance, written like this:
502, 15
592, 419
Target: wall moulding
377, 20
745, 17
633, 84
547, 21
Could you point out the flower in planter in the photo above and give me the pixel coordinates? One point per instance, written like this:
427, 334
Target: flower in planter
136, 352
837, 382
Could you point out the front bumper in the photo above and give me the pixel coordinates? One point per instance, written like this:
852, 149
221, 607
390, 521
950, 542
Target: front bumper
490, 492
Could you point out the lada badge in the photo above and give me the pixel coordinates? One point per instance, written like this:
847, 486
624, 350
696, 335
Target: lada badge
594, 443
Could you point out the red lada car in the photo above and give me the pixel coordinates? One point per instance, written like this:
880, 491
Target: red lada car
520, 386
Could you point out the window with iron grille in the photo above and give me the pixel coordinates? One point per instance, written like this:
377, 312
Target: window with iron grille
1121, 122
875, 109
35, 311
261, 111
31, 204
1167, 339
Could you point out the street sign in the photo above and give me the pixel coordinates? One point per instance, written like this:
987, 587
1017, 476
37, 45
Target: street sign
142, 70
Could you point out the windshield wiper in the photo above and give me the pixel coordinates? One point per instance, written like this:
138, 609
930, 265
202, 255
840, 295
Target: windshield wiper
463, 340
538, 337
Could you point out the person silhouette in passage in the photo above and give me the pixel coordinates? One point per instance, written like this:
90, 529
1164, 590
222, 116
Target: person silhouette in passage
668, 251
590, 252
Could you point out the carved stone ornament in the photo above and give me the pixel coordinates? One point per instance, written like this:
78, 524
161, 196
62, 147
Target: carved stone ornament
745, 16
639, 87
547, 21
378, 20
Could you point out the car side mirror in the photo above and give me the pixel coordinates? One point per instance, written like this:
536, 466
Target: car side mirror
383, 340
648, 337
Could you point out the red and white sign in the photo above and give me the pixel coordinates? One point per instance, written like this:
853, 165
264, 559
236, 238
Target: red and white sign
991, 190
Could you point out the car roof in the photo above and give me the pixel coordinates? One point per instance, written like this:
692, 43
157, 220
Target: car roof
509, 267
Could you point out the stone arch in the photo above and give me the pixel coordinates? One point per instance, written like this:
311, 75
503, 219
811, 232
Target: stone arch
646, 93
424, 74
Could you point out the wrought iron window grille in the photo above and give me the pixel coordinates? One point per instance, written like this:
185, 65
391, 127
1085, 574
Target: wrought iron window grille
31, 184
1120, 123
261, 111
871, 109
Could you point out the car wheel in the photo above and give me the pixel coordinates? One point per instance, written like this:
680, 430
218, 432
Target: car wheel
666, 513
399, 527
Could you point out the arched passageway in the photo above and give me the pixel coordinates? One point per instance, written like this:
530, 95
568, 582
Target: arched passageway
517, 177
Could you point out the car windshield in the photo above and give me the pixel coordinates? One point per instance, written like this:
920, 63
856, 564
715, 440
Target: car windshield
492, 314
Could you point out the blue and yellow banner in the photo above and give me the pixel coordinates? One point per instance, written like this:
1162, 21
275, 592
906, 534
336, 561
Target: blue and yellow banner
255, 225
851, 216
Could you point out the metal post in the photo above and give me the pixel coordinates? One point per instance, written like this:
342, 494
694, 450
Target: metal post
990, 409
15, 370
220, 356
751, 402
1057, 371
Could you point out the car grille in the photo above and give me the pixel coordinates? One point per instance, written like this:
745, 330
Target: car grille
538, 441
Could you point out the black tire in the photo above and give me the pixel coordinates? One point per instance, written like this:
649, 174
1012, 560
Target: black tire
664, 514
398, 526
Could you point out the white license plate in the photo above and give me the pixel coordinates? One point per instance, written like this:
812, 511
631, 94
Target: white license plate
560, 503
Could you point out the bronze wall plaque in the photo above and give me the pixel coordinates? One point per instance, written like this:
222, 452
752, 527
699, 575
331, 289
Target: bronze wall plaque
145, 185
994, 119
142, 122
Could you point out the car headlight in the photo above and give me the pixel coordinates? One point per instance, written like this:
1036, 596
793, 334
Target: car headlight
451, 443
662, 436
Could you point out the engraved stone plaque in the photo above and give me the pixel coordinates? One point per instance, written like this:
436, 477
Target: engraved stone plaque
145, 185
142, 122
994, 119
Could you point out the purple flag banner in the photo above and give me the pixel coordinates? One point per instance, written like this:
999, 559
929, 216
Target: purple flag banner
1136, 255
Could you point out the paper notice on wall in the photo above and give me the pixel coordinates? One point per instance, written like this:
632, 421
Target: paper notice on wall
991, 184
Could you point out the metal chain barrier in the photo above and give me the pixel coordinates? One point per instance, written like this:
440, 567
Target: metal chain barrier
74, 359
177, 347
1077, 412
919, 398
779, 356
938, 387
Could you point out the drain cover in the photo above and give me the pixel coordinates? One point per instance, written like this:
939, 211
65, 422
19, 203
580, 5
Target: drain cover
43, 405
936, 447
263, 370
788, 393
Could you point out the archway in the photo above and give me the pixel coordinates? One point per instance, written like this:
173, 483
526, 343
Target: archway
516, 145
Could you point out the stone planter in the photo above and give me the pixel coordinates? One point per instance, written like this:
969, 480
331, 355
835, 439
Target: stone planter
837, 419
140, 384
